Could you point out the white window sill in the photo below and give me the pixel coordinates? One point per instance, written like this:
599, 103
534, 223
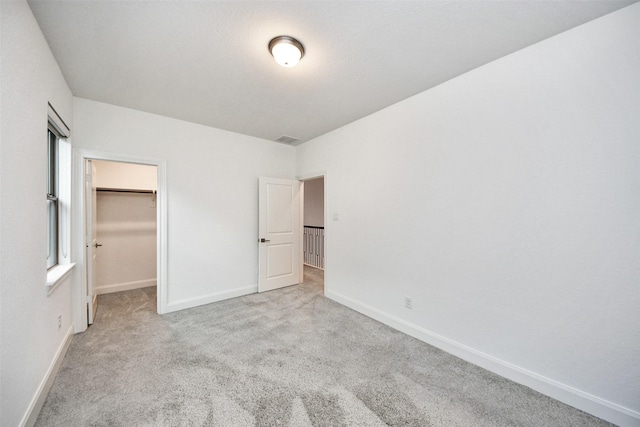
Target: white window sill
56, 275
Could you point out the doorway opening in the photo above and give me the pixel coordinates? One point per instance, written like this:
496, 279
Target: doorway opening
124, 228
313, 237
121, 229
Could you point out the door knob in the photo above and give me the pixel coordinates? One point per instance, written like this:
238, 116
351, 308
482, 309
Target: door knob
263, 240
96, 245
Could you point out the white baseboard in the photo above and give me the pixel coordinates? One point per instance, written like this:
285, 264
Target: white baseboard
208, 299
586, 402
127, 286
30, 417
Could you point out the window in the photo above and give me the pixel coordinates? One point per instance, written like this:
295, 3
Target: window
58, 170
53, 208
58, 187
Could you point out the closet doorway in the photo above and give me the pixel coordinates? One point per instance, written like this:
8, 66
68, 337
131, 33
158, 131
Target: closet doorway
116, 180
126, 226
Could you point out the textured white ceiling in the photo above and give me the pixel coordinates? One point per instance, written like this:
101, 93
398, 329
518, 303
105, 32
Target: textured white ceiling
207, 61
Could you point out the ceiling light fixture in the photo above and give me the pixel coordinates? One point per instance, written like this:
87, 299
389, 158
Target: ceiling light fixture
286, 50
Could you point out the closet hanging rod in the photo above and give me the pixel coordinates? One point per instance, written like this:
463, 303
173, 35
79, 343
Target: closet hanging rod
125, 190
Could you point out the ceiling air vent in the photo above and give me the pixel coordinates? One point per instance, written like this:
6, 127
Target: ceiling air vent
285, 139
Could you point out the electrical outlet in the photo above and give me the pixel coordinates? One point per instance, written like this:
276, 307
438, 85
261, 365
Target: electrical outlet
59, 321
408, 302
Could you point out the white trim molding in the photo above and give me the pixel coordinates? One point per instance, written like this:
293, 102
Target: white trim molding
30, 417
127, 286
57, 122
57, 275
327, 225
79, 286
579, 399
211, 298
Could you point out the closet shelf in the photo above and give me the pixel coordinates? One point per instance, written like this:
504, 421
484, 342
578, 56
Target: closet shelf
125, 190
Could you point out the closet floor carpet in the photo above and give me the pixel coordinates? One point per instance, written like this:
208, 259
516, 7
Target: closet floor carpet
289, 357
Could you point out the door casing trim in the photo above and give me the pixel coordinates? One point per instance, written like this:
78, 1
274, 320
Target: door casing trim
308, 177
78, 298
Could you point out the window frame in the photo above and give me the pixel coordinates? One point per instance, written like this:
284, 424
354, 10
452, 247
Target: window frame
53, 202
58, 190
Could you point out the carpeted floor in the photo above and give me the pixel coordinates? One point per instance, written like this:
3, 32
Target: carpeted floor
288, 357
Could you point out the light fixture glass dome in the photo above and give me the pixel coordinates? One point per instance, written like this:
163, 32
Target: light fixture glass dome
286, 50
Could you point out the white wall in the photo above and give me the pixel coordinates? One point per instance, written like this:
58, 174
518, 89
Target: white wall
128, 176
30, 337
508, 198
126, 229
314, 202
212, 180
507, 205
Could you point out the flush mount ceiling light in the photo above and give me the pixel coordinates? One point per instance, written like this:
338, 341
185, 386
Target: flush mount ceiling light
286, 50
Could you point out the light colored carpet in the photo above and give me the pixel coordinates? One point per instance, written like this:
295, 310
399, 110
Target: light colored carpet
288, 357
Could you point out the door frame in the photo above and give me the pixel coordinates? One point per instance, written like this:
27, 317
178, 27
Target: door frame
79, 286
90, 215
308, 177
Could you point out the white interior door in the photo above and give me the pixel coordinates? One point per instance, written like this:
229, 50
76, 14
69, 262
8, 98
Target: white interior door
279, 233
90, 198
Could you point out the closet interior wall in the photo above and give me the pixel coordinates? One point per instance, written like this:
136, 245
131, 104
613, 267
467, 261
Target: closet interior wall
126, 226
